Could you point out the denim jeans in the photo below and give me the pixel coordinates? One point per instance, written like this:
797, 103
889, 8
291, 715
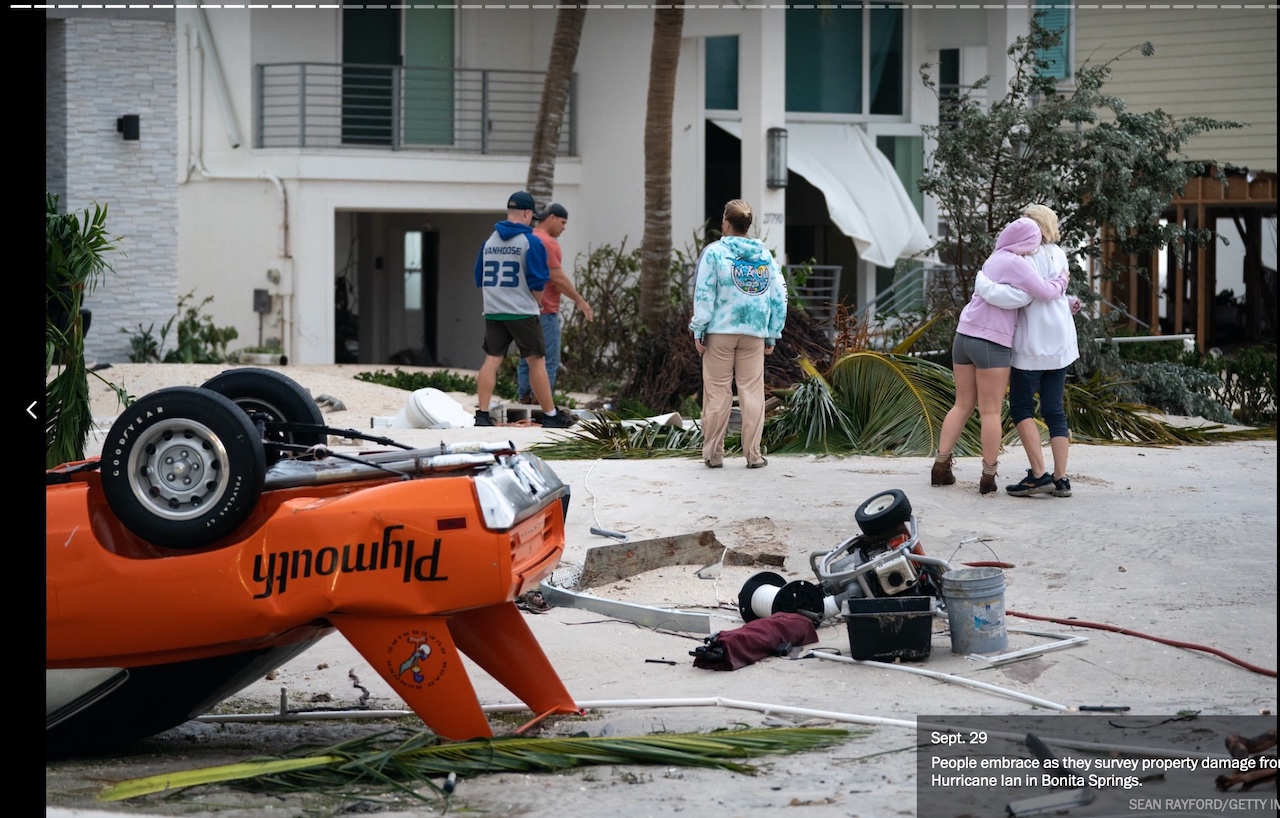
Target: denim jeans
1051, 384
551, 334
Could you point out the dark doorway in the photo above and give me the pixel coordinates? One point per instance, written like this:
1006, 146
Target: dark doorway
724, 176
430, 294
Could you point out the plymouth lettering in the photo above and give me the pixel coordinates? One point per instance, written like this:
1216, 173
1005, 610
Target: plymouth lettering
274, 571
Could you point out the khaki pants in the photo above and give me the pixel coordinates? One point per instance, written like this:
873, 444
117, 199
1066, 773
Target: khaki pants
731, 359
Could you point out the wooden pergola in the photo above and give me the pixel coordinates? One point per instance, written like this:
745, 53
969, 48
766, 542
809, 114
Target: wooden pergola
1247, 199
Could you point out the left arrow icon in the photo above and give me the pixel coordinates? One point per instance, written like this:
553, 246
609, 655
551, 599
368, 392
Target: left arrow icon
29, 412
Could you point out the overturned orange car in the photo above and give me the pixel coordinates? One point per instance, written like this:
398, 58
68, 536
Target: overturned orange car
217, 537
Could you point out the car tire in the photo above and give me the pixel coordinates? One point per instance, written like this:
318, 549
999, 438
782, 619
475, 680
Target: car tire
183, 467
883, 512
278, 397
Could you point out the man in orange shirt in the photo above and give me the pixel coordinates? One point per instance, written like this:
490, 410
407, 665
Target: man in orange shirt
551, 223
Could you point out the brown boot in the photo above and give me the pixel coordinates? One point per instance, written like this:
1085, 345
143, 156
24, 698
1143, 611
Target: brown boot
941, 474
988, 482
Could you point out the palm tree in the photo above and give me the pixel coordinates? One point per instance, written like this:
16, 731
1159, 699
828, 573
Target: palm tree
655, 248
75, 262
555, 98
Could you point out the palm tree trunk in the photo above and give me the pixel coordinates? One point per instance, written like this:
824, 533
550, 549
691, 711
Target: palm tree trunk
555, 99
655, 248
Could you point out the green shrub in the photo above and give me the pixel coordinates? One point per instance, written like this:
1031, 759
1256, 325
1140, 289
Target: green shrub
445, 380
1173, 388
598, 354
1247, 384
604, 355
199, 341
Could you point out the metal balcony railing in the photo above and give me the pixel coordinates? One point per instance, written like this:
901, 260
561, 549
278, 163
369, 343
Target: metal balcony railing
949, 98
909, 292
820, 291
327, 105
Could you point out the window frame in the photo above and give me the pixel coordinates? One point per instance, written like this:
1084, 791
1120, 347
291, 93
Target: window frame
864, 115
1068, 14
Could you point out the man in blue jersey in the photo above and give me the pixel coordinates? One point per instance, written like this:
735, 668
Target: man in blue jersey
511, 272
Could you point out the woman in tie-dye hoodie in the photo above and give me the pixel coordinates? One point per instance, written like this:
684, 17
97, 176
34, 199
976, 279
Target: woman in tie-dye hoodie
739, 310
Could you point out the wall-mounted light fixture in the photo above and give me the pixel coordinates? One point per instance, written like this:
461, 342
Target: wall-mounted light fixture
128, 125
776, 157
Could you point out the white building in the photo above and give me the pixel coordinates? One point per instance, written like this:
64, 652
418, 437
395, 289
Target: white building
285, 158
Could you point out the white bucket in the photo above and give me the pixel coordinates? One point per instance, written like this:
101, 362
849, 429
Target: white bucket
430, 408
975, 610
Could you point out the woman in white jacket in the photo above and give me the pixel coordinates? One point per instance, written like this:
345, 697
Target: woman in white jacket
1044, 345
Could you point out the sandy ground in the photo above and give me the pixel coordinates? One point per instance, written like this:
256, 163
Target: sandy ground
1174, 543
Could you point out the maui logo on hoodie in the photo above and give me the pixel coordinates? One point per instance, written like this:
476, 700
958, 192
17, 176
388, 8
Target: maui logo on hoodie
750, 277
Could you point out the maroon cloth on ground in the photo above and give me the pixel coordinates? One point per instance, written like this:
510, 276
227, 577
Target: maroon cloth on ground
758, 639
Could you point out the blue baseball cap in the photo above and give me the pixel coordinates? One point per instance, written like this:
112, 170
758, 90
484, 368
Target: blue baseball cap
520, 201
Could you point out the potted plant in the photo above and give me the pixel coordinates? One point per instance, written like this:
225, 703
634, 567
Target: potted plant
265, 355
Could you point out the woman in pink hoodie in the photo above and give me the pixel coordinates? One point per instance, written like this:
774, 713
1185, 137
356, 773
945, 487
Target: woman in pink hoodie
983, 349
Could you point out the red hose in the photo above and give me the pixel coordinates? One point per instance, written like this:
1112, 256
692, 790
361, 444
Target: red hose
1175, 643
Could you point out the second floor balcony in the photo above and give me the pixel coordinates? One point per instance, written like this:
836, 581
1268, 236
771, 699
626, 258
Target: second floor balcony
329, 105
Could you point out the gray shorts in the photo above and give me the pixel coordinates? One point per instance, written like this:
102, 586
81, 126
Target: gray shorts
979, 352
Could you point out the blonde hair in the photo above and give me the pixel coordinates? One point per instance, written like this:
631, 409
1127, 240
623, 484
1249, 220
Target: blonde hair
1046, 218
738, 214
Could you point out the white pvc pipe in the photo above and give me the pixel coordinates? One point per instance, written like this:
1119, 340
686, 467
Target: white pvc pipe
219, 82
598, 704
946, 677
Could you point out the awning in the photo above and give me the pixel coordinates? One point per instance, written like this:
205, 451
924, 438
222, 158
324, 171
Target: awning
865, 197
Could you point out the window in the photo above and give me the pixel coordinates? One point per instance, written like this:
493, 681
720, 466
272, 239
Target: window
722, 73
413, 270
1055, 15
948, 86
845, 60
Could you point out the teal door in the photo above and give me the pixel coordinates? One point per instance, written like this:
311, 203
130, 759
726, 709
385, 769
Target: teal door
428, 76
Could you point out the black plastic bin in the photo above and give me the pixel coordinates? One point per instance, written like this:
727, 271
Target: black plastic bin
885, 629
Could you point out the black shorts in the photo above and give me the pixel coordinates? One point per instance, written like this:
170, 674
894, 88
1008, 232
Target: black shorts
526, 332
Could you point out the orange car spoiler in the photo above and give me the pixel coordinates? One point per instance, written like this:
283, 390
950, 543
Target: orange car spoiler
419, 657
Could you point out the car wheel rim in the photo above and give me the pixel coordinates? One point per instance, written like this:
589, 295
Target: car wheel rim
177, 471
878, 504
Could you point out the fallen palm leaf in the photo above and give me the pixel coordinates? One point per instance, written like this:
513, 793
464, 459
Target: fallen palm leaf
611, 438
401, 759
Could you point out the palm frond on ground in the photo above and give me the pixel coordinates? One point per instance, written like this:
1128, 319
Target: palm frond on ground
611, 438
870, 402
402, 760
874, 402
1096, 414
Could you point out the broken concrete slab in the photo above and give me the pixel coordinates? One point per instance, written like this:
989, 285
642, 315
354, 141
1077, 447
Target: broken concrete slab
610, 563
